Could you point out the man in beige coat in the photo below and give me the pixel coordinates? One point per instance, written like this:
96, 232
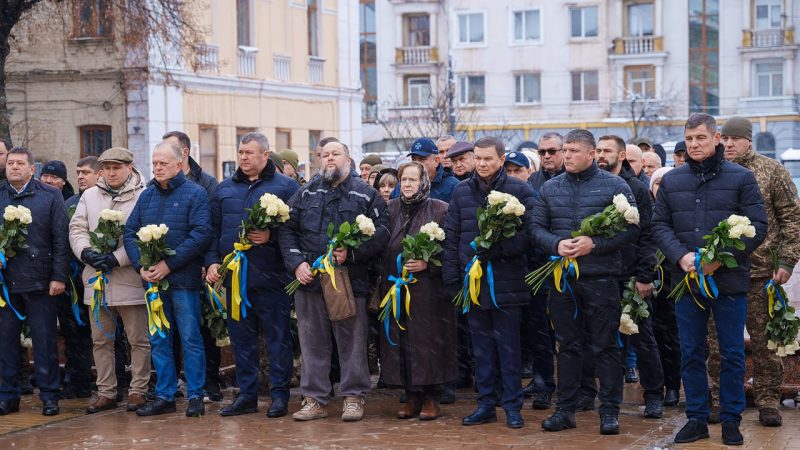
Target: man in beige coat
118, 189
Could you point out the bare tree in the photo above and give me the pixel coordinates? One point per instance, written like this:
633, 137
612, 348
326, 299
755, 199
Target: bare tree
647, 115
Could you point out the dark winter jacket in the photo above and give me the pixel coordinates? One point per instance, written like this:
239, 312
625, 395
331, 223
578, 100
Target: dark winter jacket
461, 227
538, 178
304, 237
201, 177
569, 198
47, 257
695, 198
228, 210
183, 207
639, 260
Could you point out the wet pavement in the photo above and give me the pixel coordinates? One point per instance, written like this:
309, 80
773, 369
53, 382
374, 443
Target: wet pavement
379, 429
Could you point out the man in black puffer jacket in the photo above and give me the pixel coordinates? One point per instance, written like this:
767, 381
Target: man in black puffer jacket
34, 277
592, 303
495, 332
692, 200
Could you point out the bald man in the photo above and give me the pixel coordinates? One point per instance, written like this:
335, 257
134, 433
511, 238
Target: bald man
633, 154
651, 163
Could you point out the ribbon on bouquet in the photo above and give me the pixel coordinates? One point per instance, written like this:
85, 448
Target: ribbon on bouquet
566, 268
324, 264
156, 318
705, 283
238, 268
472, 281
391, 301
98, 283
214, 299
73, 292
774, 291
5, 299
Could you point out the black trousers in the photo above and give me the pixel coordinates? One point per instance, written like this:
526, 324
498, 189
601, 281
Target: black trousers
665, 329
538, 341
592, 304
77, 343
465, 356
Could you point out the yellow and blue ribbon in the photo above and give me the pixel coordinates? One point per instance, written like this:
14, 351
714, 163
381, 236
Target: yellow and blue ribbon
472, 281
98, 283
708, 288
214, 299
73, 292
156, 318
392, 299
6, 299
564, 270
238, 268
325, 264
774, 291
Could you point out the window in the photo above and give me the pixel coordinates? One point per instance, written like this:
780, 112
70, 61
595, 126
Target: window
768, 13
584, 86
417, 30
640, 81
240, 132
527, 88
470, 28
91, 19
640, 19
312, 12
704, 56
527, 26
472, 90
584, 21
769, 79
283, 140
95, 139
368, 61
243, 35
765, 144
418, 91
208, 149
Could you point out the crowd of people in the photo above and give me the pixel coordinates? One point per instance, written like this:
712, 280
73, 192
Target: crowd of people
510, 335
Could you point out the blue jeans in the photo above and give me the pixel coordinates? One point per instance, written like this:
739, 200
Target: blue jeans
630, 356
182, 308
729, 314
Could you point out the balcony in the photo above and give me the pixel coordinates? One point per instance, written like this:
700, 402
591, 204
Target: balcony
282, 67
207, 58
246, 61
638, 45
316, 74
768, 38
416, 55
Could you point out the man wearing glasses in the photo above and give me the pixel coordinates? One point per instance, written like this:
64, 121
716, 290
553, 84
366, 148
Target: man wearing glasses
552, 160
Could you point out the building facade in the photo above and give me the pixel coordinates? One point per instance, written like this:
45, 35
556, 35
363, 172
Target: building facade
288, 69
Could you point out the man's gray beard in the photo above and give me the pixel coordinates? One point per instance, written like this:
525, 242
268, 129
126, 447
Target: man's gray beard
329, 176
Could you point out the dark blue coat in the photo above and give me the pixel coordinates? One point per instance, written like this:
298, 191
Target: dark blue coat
695, 198
538, 178
441, 187
183, 207
228, 203
461, 227
569, 198
303, 238
47, 257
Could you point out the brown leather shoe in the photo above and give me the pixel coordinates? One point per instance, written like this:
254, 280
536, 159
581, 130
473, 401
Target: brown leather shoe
101, 404
430, 410
770, 417
135, 401
411, 407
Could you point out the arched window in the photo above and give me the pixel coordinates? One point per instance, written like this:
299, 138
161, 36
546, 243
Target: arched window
765, 144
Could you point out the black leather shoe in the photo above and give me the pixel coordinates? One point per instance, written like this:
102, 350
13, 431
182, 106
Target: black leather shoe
196, 408
731, 434
278, 408
239, 406
630, 375
672, 397
585, 404
9, 406
50, 408
542, 400
653, 409
609, 424
480, 416
448, 394
560, 420
514, 419
156, 407
693, 430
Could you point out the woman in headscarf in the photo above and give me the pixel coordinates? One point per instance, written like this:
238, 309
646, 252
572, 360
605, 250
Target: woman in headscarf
423, 358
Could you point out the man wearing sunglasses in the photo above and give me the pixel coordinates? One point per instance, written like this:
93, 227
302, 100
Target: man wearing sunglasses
552, 159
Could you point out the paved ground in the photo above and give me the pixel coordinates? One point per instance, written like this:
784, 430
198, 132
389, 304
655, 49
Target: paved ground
379, 429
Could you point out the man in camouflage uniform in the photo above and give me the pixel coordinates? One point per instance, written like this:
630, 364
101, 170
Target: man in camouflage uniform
783, 216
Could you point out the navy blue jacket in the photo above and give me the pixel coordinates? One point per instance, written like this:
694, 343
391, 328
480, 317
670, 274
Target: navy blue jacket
569, 198
199, 176
461, 227
228, 204
303, 238
47, 257
639, 260
538, 178
183, 207
441, 187
695, 198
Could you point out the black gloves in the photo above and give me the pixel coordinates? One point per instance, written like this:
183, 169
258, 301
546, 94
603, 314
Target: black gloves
91, 257
99, 261
489, 254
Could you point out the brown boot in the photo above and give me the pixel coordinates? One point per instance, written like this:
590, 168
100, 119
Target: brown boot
135, 401
770, 417
101, 404
411, 407
430, 410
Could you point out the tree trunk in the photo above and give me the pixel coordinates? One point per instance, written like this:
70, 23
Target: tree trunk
5, 114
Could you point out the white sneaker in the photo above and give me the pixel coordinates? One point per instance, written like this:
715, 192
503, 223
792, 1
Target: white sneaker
311, 410
353, 409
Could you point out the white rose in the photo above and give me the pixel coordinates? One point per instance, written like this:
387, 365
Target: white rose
26, 218
632, 215
736, 231
272, 209
365, 225
163, 229
11, 213
267, 199
508, 209
734, 220
749, 231
771, 345
144, 234
495, 198
283, 209
621, 203
781, 351
105, 214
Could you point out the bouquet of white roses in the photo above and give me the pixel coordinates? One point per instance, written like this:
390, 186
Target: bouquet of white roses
104, 240
783, 324
634, 309
423, 246
350, 235
500, 219
726, 235
614, 219
152, 249
13, 236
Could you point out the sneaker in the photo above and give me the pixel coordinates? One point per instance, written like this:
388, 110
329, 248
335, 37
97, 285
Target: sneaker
353, 409
769, 417
693, 430
156, 407
731, 434
196, 408
310, 410
653, 409
630, 375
